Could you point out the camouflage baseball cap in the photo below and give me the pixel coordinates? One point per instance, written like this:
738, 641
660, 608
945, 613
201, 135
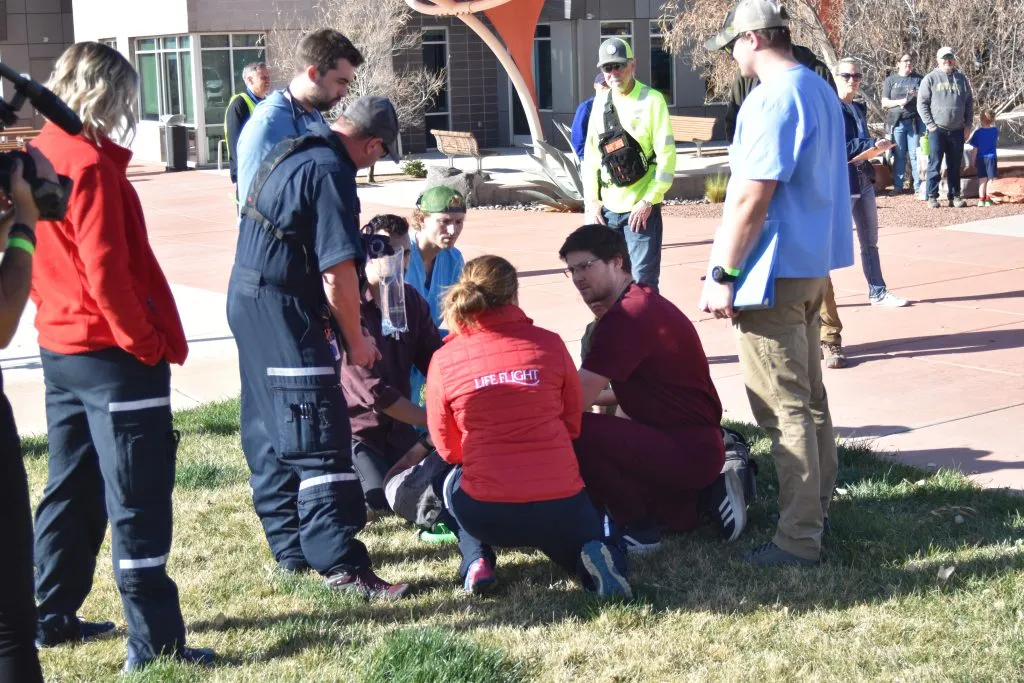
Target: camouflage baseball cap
441, 199
748, 15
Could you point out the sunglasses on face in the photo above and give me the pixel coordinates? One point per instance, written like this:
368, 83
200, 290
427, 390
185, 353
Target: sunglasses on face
853, 77
608, 68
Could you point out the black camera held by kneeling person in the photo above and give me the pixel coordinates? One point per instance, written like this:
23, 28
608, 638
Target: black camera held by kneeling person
51, 197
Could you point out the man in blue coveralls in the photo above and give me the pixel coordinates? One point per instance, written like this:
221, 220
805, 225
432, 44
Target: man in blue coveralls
294, 288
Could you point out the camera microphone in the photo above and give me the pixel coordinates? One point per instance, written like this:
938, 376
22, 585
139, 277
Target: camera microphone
44, 101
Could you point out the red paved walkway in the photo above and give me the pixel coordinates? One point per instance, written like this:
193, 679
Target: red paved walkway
941, 381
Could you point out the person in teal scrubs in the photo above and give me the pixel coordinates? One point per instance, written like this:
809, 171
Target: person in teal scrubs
435, 264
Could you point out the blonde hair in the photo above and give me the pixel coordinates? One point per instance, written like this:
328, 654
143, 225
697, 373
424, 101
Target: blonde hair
987, 117
486, 282
99, 85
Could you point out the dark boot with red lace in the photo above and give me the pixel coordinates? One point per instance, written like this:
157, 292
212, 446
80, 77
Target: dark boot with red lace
366, 583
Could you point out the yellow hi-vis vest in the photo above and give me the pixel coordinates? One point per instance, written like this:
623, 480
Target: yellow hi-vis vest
248, 103
644, 114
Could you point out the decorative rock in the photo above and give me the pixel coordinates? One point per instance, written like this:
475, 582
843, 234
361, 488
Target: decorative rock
465, 183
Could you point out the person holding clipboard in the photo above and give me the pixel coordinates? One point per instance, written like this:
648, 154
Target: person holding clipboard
861, 148
787, 217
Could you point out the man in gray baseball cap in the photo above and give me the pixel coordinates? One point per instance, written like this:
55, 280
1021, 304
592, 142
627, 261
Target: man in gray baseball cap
788, 208
748, 15
375, 117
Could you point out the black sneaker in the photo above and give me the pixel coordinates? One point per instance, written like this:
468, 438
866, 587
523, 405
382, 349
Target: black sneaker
366, 583
727, 505
199, 656
737, 456
289, 566
85, 630
640, 539
771, 555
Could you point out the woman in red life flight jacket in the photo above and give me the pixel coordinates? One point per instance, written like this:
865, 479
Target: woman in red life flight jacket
503, 404
108, 331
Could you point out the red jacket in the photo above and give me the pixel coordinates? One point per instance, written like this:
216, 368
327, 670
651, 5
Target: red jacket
504, 401
96, 281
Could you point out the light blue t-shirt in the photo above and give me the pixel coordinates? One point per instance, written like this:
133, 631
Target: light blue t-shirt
276, 118
790, 129
447, 268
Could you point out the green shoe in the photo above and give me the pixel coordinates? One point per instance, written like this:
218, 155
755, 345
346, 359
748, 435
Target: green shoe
438, 535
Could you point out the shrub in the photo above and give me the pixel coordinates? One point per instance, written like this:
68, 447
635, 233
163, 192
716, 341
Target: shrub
714, 188
414, 168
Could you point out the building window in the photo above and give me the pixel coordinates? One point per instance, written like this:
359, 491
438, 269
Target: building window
165, 69
663, 66
223, 57
542, 66
109, 42
617, 29
435, 59
3, 19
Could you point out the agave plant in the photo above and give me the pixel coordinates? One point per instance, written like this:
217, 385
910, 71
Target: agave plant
562, 185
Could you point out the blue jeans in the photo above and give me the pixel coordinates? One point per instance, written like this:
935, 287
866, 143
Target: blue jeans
948, 144
112, 455
865, 218
906, 134
644, 247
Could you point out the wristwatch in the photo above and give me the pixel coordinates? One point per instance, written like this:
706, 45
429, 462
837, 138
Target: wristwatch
723, 275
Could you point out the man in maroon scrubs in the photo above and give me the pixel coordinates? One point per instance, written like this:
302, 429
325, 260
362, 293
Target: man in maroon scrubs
656, 464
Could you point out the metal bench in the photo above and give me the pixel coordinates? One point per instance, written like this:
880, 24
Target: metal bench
454, 143
695, 129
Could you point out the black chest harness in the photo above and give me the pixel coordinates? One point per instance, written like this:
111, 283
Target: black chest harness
621, 155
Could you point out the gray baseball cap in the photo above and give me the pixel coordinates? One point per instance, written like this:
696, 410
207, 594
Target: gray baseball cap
748, 15
614, 51
376, 117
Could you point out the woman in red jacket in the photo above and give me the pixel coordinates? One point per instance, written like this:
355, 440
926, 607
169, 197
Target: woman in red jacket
503, 402
108, 330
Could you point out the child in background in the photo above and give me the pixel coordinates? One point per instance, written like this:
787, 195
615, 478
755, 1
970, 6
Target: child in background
984, 139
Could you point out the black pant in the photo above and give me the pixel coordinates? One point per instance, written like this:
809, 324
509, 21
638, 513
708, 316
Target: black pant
112, 454
18, 658
558, 528
948, 145
371, 466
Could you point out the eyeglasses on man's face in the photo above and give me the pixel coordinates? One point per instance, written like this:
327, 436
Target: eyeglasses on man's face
579, 268
609, 68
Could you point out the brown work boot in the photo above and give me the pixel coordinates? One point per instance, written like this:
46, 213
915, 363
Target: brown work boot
833, 355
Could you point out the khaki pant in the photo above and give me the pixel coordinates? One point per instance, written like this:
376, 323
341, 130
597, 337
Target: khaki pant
781, 361
831, 325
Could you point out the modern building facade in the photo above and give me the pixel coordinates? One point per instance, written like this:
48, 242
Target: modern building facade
190, 54
33, 33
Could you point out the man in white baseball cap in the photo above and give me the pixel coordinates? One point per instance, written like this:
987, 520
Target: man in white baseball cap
946, 106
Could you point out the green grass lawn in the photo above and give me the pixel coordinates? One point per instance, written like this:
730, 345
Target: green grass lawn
877, 609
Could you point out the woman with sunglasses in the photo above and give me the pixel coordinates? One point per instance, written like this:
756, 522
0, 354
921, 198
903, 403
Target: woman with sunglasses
862, 181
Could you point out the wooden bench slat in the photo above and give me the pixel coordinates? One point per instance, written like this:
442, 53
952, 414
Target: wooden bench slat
453, 143
696, 129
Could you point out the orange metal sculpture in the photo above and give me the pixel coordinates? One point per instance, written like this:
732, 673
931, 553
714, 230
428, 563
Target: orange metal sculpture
515, 22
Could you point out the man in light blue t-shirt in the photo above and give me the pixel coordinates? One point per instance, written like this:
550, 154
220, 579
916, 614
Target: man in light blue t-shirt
327, 63
788, 162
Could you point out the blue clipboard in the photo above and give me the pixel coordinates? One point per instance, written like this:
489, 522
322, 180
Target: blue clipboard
755, 287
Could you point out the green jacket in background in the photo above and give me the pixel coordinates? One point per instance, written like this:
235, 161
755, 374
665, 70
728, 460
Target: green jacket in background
742, 86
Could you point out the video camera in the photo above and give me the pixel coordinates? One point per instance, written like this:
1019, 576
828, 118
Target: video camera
51, 198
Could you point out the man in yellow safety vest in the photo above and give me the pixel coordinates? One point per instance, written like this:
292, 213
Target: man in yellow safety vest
241, 106
629, 161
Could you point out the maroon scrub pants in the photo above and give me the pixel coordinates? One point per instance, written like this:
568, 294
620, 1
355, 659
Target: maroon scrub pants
643, 474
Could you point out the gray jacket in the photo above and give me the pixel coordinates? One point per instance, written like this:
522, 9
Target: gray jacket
945, 100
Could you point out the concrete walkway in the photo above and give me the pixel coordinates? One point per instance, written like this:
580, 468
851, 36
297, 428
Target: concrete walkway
940, 383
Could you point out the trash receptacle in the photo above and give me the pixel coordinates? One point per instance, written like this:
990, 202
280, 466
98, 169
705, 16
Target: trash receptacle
175, 142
